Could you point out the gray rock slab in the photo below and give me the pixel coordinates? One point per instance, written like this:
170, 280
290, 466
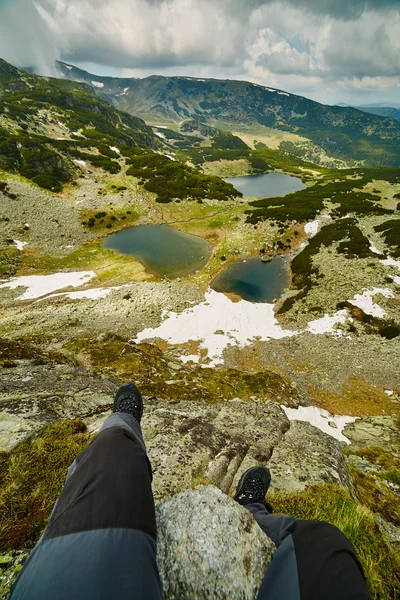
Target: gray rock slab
210, 548
307, 456
374, 431
32, 396
192, 443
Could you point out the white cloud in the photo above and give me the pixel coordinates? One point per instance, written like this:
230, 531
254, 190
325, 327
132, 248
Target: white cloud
325, 48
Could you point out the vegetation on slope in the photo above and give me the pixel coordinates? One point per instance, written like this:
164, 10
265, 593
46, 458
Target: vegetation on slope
351, 242
391, 234
342, 132
26, 496
173, 180
48, 127
342, 188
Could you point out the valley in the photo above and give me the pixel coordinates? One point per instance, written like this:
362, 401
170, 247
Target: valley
113, 234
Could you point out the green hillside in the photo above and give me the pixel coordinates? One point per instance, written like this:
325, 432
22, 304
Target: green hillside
50, 128
341, 132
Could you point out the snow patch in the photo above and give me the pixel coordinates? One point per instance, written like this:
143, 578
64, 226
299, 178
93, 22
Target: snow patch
312, 227
68, 67
320, 418
160, 135
20, 245
327, 324
98, 84
80, 162
364, 301
115, 149
373, 248
242, 323
92, 294
40, 285
389, 392
191, 357
283, 94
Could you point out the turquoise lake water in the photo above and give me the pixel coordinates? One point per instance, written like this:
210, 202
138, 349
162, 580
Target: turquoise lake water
267, 186
163, 250
254, 280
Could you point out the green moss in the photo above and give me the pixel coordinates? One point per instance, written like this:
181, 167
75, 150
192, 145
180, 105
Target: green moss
335, 505
31, 479
376, 495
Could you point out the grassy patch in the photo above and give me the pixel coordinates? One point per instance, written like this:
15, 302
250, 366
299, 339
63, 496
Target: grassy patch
358, 399
376, 495
336, 506
10, 261
31, 479
109, 218
151, 369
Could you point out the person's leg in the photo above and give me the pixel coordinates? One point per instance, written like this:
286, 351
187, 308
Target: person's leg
313, 560
101, 538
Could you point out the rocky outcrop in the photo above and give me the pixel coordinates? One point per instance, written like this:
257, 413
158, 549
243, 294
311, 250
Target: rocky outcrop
305, 457
191, 443
34, 395
374, 431
210, 548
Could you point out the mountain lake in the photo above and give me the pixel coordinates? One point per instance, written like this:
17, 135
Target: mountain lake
254, 280
163, 250
267, 186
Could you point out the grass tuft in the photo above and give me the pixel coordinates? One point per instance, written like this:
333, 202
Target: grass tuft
335, 505
31, 478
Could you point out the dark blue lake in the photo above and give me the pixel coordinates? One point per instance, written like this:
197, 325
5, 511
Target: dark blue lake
254, 280
163, 250
267, 186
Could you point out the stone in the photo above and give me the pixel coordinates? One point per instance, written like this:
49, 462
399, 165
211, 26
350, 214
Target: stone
391, 535
33, 396
192, 443
209, 547
374, 431
307, 456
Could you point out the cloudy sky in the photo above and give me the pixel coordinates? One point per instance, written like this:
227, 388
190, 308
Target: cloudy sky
329, 50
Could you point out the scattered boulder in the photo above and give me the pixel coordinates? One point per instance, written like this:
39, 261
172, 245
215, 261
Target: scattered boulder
210, 548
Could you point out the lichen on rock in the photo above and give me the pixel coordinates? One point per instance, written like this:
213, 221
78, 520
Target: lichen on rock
210, 547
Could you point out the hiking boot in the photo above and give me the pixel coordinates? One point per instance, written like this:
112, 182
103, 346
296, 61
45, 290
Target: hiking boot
128, 400
253, 487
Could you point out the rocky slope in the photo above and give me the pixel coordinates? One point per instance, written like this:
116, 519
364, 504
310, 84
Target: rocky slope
342, 132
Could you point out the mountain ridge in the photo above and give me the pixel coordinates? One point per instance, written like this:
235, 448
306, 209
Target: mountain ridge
344, 133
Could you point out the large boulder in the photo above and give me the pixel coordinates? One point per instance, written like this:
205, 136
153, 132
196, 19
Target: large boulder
383, 431
307, 456
210, 547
